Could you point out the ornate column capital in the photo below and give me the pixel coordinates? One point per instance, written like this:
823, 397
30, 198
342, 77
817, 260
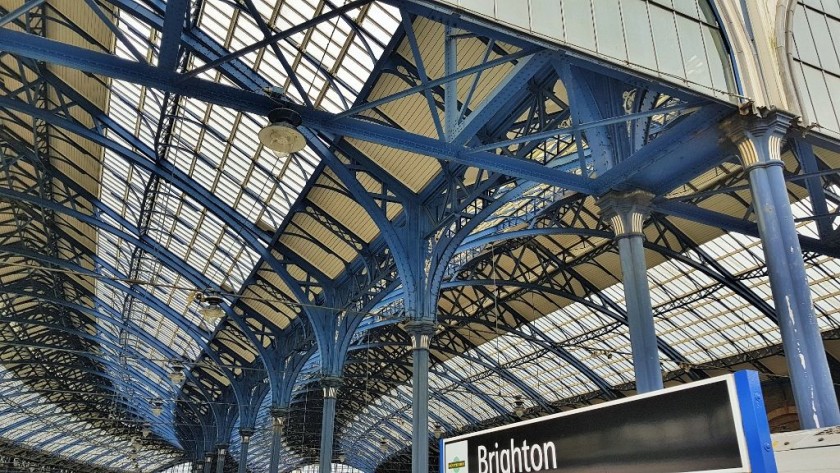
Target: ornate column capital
331, 385
759, 137
246, 434
626, 211
278, 413
421, 332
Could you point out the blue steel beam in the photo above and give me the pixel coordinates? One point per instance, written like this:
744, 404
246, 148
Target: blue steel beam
493, 366
475, 70
17, 12
712, 268
192, 188
733, 224
804, 153
98, 63
137, 292
149, 246
276, 37
683, 151
108, 314
614, 313
184, 182
596, 379
173, 25
600, 122
364, 199
152, 13
408, 29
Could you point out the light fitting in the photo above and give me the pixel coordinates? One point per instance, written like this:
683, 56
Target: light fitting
438, 430
211, 305
157, 407
177, 374
281, 134
518, 407
145, 430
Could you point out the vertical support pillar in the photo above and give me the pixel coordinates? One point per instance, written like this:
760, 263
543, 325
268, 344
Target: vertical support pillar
208, 462
220, 458
331, 385
626, 213
245, 439
278, 416
450, 88
421, 332
759, 141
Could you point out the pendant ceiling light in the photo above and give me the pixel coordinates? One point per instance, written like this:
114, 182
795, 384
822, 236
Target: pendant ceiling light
281, 134
210, 303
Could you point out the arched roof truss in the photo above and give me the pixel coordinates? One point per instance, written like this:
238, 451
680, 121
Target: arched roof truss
133, 179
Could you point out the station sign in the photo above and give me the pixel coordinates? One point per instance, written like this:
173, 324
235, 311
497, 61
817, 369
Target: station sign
714, 425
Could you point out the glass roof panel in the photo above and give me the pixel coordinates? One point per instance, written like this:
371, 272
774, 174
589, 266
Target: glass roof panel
695, 314
32, 421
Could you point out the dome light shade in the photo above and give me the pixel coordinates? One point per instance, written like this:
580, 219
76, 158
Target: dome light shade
211, 312
211, 305
177, 374
281, 134
518, 407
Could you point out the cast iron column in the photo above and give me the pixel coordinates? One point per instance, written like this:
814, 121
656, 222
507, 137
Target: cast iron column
278, 416
245, 437
421, 332
759, 142
208, 462
331, 385
220, 458
626, 213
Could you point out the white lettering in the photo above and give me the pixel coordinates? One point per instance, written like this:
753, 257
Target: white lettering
516, 463
553, 456
494, 462
525, 456
524, 459
537, 466
504, 461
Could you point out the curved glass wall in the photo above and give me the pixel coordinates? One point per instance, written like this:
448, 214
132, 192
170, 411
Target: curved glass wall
677, 40
815, 62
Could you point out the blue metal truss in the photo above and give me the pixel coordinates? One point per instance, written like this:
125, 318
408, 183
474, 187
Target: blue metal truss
387, 267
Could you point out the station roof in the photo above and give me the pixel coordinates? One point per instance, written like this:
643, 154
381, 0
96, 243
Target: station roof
134, 183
